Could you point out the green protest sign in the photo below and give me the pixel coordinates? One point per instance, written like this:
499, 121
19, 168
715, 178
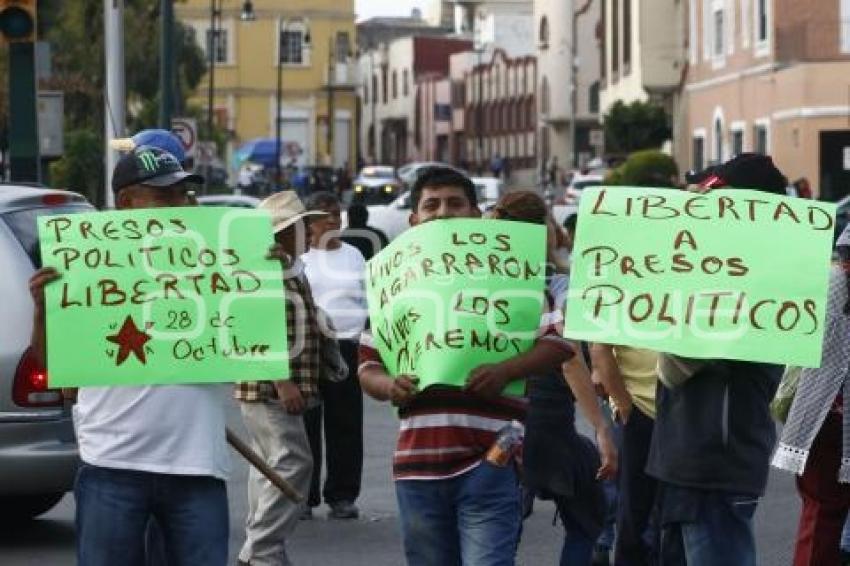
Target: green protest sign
451, 295
732, 274
163, 296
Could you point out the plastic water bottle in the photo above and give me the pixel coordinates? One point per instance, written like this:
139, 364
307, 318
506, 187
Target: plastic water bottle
508, 441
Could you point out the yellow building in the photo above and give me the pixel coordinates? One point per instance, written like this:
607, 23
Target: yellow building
313, 41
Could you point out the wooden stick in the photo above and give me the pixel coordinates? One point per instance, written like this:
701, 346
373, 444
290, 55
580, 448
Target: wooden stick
254, 459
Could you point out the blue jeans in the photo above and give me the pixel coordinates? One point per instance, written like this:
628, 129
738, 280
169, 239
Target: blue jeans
114, 508
578, 547
472, 520
718, 533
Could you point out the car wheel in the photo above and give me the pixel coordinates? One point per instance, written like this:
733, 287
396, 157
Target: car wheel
16, 508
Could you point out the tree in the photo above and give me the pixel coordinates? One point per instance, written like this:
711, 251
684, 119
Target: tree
81, 168
636, 126
75, 31
647, 168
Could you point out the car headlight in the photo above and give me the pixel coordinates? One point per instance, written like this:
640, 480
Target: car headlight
359, 188
389, 188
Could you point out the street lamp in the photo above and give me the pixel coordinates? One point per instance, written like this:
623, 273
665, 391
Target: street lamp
247, 14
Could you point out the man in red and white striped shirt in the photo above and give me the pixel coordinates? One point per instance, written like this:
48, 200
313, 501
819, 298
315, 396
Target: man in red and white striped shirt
455, 507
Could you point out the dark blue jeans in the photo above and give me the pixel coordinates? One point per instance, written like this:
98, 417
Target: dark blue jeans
713, 528
637, 530
115, 506
472, 520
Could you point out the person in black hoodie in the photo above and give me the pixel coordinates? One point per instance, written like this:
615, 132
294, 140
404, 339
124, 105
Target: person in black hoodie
714, 433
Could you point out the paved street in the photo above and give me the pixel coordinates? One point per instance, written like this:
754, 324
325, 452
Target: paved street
374, 539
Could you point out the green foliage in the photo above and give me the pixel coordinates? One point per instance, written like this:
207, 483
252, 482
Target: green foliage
81, 168
647, 168
75, 32
636, 126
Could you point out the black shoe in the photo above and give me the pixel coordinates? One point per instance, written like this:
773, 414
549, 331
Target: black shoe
343, 510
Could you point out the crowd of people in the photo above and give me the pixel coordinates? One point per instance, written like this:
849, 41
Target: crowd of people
673, 475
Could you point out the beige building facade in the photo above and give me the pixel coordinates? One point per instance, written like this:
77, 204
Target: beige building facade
771, 76
313, 41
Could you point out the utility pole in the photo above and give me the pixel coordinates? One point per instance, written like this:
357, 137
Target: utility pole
278, 178
331, 109
115, 102
166, 63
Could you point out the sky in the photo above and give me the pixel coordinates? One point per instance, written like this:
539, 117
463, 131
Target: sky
371, 8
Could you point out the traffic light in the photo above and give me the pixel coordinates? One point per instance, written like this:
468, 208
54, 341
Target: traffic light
17, 20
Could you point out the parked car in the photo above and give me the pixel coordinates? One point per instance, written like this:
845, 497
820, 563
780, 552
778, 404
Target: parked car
579, 182
38, 451
489, 191
377, 184
239, 201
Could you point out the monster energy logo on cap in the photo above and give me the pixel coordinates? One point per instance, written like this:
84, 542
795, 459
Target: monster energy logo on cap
148, 161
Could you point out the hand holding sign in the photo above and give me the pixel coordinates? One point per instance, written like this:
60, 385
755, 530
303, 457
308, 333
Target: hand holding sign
450, 299
736, 274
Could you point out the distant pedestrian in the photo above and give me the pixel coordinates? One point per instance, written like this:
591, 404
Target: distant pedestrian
273, 410
335, 271
497, 166
367, 239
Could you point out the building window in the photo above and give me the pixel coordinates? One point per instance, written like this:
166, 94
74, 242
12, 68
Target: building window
693, 44
615, 38
698, 157
395, 85
602, 37
544, 96
292, 47
845, 26
544, 32
219, 48
384, 84
746, 10
737, 142
374, 89
761, 20
405, 83
760, 139
365, 93
593, 98
718, 35
343, 47
627, 36
718, 140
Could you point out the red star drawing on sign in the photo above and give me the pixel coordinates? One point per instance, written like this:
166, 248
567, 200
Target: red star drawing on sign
130, 339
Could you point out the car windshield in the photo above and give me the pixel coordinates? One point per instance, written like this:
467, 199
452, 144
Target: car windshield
378, 172
24, 227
